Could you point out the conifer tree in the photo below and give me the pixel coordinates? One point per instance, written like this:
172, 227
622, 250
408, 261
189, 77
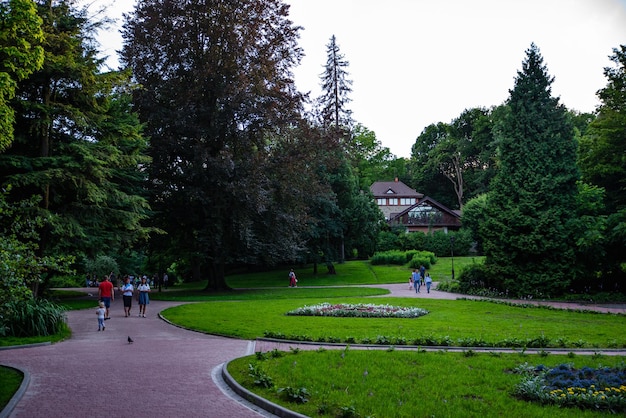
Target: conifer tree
528, 245
77, 144
336, 87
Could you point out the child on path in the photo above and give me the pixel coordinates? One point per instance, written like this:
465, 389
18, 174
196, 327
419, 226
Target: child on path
100, 311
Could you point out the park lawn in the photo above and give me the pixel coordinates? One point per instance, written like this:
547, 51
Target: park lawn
281, 293
348, 273
461, 322
10, 381
400, 383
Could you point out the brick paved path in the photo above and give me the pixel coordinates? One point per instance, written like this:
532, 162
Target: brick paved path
166, 372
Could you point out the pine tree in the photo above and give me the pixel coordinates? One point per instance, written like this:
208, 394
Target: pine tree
528, 245
335, 89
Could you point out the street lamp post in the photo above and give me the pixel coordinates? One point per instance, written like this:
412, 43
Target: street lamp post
452, 253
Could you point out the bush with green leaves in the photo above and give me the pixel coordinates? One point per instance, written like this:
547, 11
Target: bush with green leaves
389, 257
32, 317
423, 258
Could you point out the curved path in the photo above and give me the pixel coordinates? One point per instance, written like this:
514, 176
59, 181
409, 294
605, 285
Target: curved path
166, 372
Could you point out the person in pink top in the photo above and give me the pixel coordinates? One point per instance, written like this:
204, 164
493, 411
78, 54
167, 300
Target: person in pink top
106, 294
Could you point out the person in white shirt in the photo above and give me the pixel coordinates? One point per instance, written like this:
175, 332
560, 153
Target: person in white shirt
127, 295
144, 299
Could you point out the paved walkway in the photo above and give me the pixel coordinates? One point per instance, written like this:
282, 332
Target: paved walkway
166, 372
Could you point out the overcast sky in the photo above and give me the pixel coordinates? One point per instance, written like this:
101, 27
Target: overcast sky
418, 62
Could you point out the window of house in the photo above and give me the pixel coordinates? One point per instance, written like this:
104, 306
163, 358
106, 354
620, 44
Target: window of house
407, 201
381, 202
393, 201
425, 215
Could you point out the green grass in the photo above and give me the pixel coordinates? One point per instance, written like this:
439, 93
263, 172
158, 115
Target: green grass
64, 333
407, 383
10, 381
349, 273
266, 294
458, 319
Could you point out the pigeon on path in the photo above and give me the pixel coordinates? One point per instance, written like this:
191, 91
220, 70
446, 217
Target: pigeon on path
130, 340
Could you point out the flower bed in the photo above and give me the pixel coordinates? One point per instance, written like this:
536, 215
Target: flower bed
361, 310
564, 385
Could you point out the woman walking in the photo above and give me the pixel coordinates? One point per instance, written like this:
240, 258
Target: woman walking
144, 299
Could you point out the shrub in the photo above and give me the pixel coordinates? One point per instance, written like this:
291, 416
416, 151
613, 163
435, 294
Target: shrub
474, 278
423, 258
389, 257
33, 318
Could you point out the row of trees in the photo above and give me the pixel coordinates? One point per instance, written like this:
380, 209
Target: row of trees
198, 153
544, 186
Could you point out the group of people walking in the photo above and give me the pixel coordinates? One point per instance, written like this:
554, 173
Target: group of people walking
420, 278
106, 294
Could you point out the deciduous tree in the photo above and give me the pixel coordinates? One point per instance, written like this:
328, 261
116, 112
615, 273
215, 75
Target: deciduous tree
216, 89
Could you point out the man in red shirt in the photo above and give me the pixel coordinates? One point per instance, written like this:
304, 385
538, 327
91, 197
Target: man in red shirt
106, 294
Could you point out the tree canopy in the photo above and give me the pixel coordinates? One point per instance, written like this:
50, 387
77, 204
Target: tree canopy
21, 54
77, 146
217, 91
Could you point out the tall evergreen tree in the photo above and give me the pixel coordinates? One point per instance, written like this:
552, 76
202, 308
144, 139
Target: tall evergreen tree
77, 144
336, 87
216, 88
528, 242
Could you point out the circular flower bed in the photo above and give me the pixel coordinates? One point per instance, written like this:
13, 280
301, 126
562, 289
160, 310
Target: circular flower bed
360, 310
564, 385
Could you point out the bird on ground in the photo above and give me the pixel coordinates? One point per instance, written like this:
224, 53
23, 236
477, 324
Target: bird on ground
130, 340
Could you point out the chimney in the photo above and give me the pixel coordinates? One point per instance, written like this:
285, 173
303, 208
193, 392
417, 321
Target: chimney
396, 180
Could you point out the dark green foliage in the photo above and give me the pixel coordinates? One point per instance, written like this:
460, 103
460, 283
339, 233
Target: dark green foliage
475, 276
333, 102
77, 144
33, 317
455, 162
387, 241
528, 236
474, 215
423, 258
20, 55
601, 159
230, 167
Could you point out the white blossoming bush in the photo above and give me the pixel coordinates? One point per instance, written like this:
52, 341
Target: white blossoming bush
360, 310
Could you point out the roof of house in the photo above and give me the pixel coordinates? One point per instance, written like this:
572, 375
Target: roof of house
393, 188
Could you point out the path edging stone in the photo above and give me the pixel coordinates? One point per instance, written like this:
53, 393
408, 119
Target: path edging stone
267, 405
17, 396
